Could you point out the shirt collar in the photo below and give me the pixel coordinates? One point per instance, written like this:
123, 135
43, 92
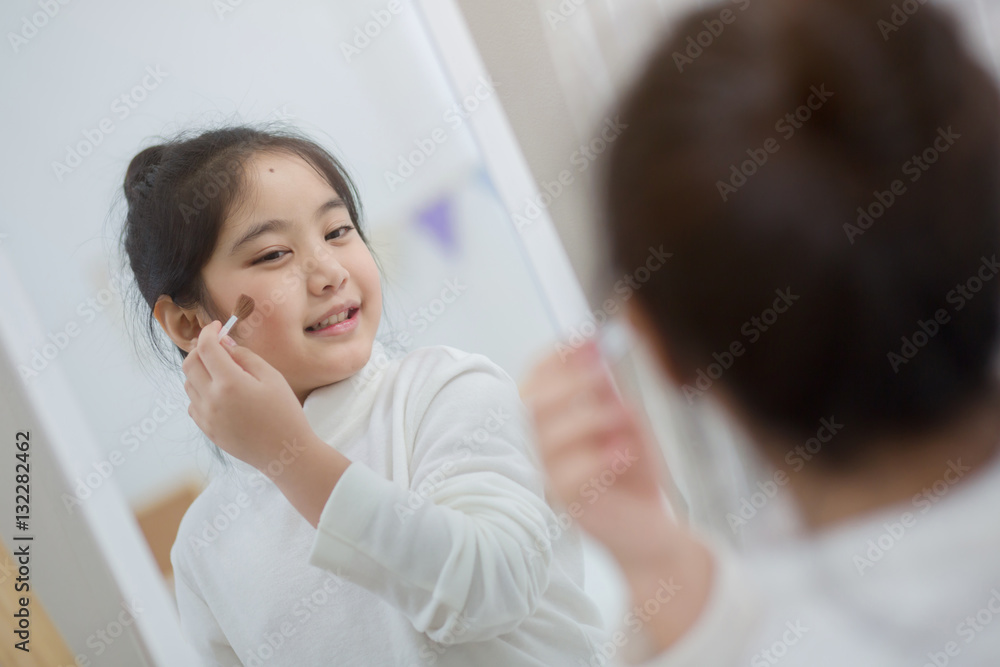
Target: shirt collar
332, 408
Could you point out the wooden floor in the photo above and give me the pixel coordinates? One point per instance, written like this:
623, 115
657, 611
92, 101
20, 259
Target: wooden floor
158, 520
47, 646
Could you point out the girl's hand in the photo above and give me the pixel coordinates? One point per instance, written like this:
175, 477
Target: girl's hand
242, 403
603, 468
600, 464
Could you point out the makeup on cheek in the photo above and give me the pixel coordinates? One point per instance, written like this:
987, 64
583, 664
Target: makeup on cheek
244, 307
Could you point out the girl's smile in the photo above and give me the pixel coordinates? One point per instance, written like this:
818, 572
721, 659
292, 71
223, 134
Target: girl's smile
339, 320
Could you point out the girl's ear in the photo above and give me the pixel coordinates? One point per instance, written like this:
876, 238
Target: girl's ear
181, 324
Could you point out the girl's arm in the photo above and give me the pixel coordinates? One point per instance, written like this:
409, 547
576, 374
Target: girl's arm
583, 431
463, 552
309, 479
466, 558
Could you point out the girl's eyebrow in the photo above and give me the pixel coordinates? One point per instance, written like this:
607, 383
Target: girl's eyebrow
266, 226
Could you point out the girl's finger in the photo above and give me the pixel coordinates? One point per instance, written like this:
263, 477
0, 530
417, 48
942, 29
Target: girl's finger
216, 360
558, 393
248, 361
580, 429
195, 416
196, 372
192, 391
568, 475
555, 364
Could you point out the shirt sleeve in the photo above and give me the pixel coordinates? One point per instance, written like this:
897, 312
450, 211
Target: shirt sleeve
464, 552
721, 634
198, 624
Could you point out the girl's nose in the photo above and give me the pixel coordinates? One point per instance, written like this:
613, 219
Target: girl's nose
323, 271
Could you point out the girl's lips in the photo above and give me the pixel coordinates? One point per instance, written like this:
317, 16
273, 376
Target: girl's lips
349, 324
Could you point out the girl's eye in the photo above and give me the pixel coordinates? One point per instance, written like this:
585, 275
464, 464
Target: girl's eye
337, 233
264, 258
344, 230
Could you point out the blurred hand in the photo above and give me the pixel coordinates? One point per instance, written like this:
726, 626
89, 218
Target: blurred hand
242, 403
600, 463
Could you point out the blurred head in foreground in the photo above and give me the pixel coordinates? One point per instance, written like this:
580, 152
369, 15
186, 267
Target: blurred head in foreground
827, 176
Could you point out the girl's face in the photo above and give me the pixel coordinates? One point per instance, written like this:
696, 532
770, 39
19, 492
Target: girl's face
293, 248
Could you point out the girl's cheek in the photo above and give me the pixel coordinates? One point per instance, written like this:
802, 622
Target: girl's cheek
373, 280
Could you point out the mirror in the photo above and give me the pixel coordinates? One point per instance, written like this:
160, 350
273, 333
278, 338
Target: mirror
115, 458
394, 89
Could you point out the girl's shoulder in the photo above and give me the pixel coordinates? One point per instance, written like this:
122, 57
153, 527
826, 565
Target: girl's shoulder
437, 365
442, 375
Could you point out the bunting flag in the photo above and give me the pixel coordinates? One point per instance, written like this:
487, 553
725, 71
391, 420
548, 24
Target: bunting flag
438, 220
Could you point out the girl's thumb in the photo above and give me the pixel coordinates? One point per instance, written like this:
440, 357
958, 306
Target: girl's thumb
245, 357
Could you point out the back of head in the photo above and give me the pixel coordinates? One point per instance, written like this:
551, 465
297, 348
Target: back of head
829, 190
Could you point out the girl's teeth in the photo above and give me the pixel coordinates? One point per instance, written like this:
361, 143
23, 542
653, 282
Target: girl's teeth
330, 320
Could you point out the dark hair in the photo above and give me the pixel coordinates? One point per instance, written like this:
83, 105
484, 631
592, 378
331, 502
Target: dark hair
748, 205
179, 194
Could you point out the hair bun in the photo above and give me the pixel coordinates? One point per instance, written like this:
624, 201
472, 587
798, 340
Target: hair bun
141, 173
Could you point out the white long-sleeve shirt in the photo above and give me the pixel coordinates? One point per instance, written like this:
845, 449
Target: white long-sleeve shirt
436, 547
912, 585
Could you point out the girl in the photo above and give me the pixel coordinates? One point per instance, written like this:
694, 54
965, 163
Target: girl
377, 512
872, 392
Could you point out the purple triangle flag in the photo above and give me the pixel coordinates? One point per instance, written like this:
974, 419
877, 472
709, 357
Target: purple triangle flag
437, 220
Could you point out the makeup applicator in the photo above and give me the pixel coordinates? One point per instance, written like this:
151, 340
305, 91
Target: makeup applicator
244, 307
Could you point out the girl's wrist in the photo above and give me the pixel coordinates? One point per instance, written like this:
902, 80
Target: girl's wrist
310, 477
292, 449
671, 585
658, 544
